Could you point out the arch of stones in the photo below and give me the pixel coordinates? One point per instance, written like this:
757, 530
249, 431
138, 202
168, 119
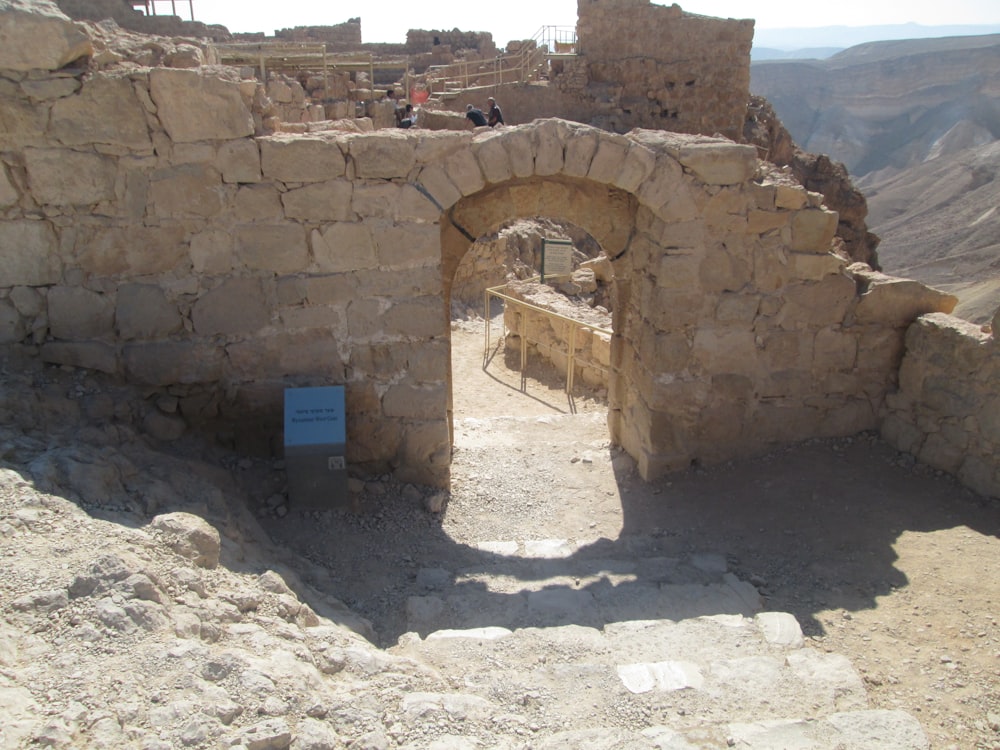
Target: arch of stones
146, 232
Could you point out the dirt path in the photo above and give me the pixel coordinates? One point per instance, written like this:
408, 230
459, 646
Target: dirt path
881, 559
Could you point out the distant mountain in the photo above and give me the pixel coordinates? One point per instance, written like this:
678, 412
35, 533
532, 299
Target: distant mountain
841, 37
940, 224
759, 54
891, 104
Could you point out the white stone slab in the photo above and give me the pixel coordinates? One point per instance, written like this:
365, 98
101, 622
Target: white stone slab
479, 634
665, 676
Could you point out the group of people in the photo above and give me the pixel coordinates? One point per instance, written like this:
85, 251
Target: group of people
492, 117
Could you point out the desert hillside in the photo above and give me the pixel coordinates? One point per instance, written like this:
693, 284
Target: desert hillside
940, 223
889, 104
916, 124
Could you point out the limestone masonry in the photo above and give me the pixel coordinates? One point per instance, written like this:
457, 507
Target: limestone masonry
148, 229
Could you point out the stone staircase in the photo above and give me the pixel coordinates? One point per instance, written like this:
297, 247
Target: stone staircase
586, 650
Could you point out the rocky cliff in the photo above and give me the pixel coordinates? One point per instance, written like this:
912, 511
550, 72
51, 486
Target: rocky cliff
889, 104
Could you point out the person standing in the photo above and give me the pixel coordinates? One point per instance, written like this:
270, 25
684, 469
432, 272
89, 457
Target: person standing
495, 115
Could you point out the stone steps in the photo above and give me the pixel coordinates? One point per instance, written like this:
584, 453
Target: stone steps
651, 652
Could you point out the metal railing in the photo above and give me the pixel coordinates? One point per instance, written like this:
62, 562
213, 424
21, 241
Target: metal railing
572, 359
528, 64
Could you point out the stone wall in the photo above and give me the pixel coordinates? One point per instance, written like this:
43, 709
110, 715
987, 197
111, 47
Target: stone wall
341, 37
145, 231
947, 409
642, 65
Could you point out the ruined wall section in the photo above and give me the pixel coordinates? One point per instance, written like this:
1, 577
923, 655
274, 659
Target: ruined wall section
651, 66
947, 409
145, 232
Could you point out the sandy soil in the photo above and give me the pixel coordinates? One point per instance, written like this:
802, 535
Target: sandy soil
883, 560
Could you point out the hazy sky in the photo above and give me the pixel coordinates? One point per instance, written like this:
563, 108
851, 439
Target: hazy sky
389, 20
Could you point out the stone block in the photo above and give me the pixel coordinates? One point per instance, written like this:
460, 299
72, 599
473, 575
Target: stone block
725, 350
813, 229
522, 157
639, 164
387, 155
173, 362
27, 301
61, 177
280, 248
28, 254
37, 35
415, 205
719, 163
185, 191
581, 145
759, 222
421, 317
407, 245
437, 185
197, 106
212, 252
548, 142
376, 199
144, 312
342, 247
320, 201
300, 159
106, 110
12, 326
833, 349
8, 193
288, 353
724, 270
609, 159
894, 301
818, 303
790, 197
258, 203
679, 270
409, 401
90, 355
464, 173
239, 161
494, 159
323, 317
425, 453
136, 250
77, 314
236, 306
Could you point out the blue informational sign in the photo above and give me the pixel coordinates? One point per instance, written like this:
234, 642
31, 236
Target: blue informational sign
315, 416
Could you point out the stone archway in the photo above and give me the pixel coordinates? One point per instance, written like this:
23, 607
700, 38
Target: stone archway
733, 328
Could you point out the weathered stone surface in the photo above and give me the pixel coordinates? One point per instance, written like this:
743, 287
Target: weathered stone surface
720, 163
236, 306
76, 313
28, 254
8, 193
258, 203
301, 159
105, 110
187, 190
813, 229
195, 106
345, 246
169, 362
322, 201
386, 157
63, 178
189, 536
281, 248
895, 301
239, 161
144, 312
36, 34
287, 354
130, 249
493, 158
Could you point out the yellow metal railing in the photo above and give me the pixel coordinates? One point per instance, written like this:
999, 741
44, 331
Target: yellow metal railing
523, 66
574, 325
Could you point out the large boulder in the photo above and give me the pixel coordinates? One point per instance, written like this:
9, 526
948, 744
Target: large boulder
36, 35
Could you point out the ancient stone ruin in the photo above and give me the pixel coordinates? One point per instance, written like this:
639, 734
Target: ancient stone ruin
151, 229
